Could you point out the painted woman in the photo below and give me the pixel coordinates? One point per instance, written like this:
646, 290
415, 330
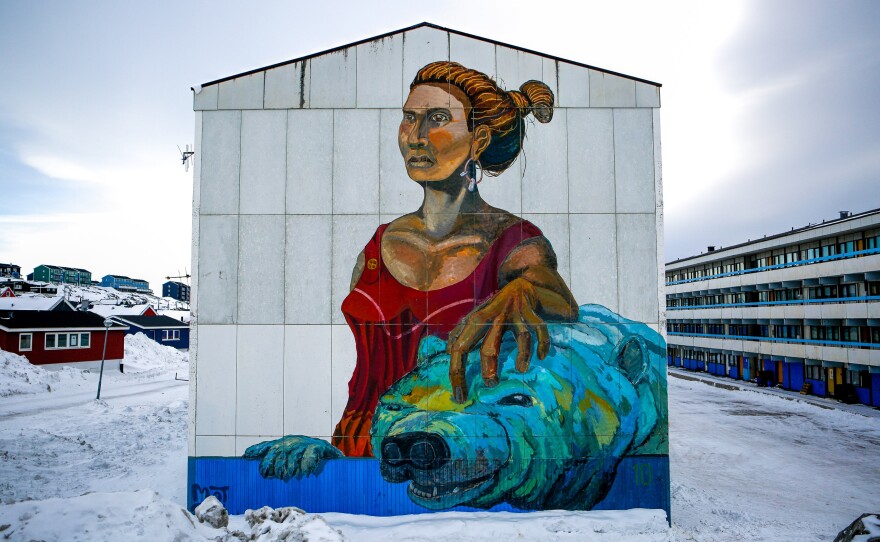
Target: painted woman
456, 268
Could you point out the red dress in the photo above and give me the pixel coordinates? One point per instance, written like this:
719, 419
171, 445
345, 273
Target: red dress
388, 321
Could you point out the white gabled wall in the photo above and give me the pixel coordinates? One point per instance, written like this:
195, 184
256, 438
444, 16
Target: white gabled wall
297, 165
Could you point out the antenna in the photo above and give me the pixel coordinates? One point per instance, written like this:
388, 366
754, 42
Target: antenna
185, 156
185, 275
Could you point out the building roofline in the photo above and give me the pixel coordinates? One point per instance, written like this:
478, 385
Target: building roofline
777, 236
49, 329
136, 322
427, 25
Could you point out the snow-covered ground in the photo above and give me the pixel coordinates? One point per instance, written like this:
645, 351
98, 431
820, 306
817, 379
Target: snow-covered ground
745, 466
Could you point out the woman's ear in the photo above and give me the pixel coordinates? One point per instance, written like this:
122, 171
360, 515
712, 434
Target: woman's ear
482, 138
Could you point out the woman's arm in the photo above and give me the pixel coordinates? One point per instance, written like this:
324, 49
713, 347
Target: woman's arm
531, 293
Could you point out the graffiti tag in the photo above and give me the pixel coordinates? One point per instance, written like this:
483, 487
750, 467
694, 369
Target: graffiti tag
200, 493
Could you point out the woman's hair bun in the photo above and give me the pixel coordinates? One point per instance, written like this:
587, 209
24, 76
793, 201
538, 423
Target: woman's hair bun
539, 99
501, 111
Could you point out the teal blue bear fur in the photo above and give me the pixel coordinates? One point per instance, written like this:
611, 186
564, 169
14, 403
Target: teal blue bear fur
548, 438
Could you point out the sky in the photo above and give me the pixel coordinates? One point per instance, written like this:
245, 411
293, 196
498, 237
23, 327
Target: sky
769, 109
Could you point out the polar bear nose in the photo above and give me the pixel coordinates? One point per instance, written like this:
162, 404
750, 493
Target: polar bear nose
422, 450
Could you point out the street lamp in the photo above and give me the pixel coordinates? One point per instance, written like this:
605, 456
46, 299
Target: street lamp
107, 323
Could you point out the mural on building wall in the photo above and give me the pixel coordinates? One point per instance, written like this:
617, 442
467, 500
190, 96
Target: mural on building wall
479, 380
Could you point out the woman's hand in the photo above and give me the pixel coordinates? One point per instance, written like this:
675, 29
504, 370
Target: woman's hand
512, 309
533, 291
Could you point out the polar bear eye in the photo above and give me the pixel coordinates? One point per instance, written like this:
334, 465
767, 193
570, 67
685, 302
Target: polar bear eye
516, 399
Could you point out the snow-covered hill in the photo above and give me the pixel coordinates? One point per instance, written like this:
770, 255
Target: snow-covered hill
101, 295
104, 300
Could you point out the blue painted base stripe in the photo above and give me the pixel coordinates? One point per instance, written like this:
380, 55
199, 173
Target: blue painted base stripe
354, 486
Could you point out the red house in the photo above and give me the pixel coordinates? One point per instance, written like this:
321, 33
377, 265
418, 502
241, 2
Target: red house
52, 337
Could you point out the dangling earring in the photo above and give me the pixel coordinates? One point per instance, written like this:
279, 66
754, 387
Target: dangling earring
472, 164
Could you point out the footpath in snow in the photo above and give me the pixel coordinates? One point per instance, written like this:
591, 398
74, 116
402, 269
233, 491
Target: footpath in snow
745, 466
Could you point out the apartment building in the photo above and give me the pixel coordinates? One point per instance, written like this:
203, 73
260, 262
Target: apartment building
799, 310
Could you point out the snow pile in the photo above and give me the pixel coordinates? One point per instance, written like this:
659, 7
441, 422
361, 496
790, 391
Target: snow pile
94, 517
864, 529
143, 354
212, 512
871, 526
146, 515
636, 525
288, 524
18, 376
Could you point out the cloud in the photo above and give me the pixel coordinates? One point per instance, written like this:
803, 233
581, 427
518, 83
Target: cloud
803, 77
58, 168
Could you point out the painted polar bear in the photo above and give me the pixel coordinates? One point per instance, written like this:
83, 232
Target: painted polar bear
548, 438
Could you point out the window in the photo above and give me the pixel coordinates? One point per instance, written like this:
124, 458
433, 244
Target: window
57, 341
849, 333
823, 292
171, 335
828, 250
24, 341
825, 333
849, 290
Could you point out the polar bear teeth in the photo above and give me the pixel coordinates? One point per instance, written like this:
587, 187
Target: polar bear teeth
434, 491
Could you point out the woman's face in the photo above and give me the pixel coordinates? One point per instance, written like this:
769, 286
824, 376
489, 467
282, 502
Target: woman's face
433, 137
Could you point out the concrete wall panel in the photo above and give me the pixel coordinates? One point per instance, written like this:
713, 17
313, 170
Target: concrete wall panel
307, 266
263, 162
244, 92
309, 188
259, 398
574, 86
218, 269
307, 367
215, 390
591, 161
380, 73
634, 161
356, 161
220, 162
261, 271
334, 80
287, 87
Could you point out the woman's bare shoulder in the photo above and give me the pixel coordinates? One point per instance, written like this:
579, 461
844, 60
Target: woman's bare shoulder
494, 221
407, 223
